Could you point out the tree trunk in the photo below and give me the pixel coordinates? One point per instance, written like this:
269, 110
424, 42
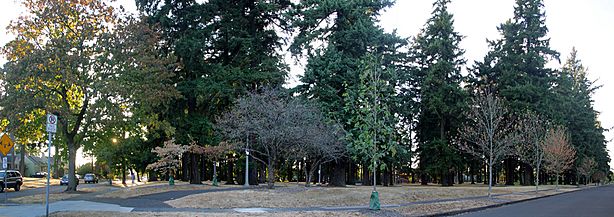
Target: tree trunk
338, 176
185, 167
124, 173
271, 174
194, 169
352, 173
385, 178
22, 160
489, 177
510, 166
557, 182
423, 178
262, 173
72, 157
537, 179
152, 176
365, 176
230, 167
138, 177
56, 162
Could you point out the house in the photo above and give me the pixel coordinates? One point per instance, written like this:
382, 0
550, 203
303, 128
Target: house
34, 164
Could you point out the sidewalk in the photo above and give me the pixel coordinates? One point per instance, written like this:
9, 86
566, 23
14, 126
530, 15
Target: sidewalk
33, 210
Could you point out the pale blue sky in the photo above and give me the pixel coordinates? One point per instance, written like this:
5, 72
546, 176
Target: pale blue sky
587, 25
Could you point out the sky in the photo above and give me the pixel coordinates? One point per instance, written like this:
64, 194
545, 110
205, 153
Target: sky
588, 25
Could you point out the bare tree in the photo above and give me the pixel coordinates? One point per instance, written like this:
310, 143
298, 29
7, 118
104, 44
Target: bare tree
487, 133
598, 177
531, 129
587, 167
325, 144
279, 126
559, 155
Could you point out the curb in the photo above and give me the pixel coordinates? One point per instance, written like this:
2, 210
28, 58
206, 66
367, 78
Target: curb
457, 212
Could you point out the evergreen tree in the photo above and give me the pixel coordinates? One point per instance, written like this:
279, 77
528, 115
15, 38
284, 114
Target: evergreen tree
514, 68
574, 109
346, 31
438, 60
223, 48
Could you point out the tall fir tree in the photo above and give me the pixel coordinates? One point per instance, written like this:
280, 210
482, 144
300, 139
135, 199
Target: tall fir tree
224, 48
574, 108
515, 69
442, 101
335, 35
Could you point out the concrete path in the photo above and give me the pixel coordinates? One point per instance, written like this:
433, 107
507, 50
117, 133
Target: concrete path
33, 210
593, 202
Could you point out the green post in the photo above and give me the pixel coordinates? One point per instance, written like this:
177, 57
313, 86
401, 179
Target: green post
171, 181
374, 203
215, 181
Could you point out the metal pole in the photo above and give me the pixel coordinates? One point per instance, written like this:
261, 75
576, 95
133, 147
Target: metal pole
48, 174
320, 175
6, 173
246, 163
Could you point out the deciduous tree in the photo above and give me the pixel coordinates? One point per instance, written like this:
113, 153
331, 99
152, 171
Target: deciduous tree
559, 155
488, 133
169, 158
277, 125
586, 168
531, 129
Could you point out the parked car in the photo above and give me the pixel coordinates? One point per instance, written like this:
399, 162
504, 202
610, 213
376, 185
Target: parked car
13, 180
90, 178
64, 180
40, 175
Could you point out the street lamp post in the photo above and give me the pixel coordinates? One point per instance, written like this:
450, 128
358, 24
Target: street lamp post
246, 168
114, 141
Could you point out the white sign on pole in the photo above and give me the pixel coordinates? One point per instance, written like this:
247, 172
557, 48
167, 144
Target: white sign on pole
52, 123
4, 163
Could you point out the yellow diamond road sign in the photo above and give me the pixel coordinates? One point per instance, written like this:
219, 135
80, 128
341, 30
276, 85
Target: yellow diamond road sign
5, 144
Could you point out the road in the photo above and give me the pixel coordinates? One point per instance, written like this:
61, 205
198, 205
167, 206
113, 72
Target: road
10, 193
593, 202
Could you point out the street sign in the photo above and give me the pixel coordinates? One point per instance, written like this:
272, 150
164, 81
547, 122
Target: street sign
6, 144
52, 123
4, 163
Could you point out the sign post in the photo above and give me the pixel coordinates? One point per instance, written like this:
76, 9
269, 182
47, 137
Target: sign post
5, 146
52, 123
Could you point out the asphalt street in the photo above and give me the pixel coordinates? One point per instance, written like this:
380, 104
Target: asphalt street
10, 193
593, 202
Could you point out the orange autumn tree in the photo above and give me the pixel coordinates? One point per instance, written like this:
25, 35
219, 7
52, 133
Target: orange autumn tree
559, 155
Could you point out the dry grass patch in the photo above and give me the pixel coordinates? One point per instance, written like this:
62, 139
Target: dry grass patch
295, 196
196, 214
40, 198
29, 182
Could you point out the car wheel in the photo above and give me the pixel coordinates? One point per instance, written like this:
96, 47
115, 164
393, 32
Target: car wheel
17, 187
